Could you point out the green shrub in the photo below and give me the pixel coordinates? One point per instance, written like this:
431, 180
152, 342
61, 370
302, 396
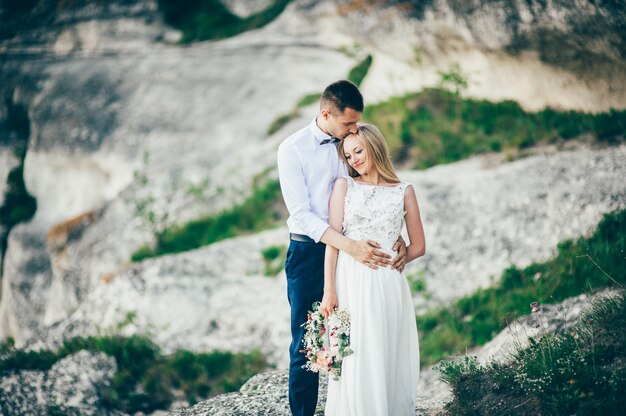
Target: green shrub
271, 253
308, 100
259, 211
585, 264
210, 19
417, 283
274, 257
453, 80
145, 380
143, 252
453, 371
280, 121
358, 73
581, 371
18, 205
438, 126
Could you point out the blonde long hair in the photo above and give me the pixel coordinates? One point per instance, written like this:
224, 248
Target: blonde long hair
377, 150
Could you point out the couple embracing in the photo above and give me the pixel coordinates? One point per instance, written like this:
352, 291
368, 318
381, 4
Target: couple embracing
347, 209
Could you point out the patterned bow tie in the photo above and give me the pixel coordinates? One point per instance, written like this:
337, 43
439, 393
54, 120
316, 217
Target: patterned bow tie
331, 140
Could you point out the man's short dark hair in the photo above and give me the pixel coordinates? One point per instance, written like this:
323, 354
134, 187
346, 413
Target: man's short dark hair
341, 95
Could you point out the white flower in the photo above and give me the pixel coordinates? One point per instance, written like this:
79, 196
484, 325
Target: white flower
326, 343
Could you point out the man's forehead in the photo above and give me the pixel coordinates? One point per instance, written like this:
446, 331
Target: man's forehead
350, 114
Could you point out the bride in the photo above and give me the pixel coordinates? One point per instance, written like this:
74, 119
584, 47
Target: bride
380, 377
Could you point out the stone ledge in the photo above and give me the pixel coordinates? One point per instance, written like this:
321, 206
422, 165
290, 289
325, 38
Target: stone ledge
266, 394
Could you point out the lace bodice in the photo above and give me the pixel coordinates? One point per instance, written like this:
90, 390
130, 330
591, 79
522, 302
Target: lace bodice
374, 212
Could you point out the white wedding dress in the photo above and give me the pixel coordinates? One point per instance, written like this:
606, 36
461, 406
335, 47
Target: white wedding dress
380, 377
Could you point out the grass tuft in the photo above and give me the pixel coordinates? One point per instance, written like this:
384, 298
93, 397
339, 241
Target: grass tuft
274, 257
582, 371
259, 211
210, 19
146, 380
437, 126
358, 73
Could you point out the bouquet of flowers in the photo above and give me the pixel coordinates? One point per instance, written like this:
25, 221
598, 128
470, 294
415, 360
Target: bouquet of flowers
326, 341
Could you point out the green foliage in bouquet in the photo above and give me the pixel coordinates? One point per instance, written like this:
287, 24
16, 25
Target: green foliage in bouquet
326, 341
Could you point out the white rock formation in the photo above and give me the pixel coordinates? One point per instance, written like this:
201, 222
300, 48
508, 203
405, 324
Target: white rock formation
478, 219
105, 84
532, 52
200, 113
481, 218
82, 183
70, 387
30, 392
245, 8
267, 394
215, 297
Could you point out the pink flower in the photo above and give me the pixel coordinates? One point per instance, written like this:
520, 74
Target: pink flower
534, 307
324, 359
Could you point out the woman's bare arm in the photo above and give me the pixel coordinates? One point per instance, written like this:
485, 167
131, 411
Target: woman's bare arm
335, 220
417, 246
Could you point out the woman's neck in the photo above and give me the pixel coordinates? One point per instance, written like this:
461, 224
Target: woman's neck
372, 178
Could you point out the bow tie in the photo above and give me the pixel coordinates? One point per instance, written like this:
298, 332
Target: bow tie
331, 140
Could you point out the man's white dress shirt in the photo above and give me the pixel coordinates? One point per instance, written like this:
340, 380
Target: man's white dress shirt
307, 171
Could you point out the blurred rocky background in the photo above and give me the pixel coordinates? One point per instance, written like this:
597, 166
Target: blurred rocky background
142, 230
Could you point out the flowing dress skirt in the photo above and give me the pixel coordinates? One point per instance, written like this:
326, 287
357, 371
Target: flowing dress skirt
380, 377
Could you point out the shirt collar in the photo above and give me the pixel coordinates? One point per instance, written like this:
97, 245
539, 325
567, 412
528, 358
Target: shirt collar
317, 132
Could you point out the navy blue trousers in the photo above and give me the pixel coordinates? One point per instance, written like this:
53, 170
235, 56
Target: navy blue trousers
305, 284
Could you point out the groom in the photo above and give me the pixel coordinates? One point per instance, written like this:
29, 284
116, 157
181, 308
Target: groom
308, 165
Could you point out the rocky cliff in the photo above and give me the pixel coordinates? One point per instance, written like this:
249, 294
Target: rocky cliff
540, 53
265, 393
105, 83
